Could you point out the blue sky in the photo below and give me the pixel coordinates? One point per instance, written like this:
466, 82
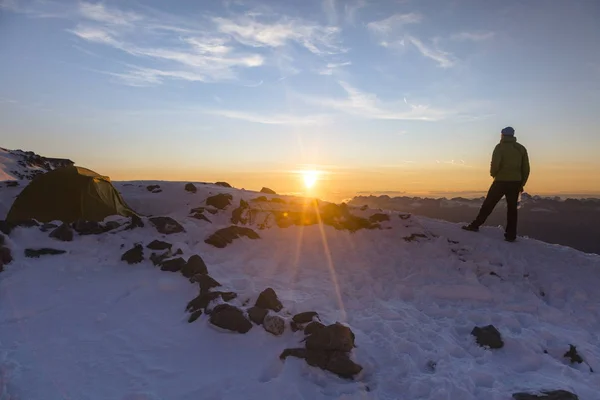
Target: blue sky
380, 95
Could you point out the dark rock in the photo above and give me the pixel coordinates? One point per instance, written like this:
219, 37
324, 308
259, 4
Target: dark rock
135, 222
231, 318
277, 200
152, 188
297, 352
260, 199
6, 227
5, 255
2, 240
220, 201
205, 282
63, 233
12, 183
134, 255
178, 252
404, 216
36, 253
202, 301
212, 210
488, 336
257, 314
166, 225
201, 217
413, 237
172, 265
336, 337
157, 259
223, 184
88, 227
573, 355
28, 223
225, 236
195, 265
195, 315
228, 296
237, 214
190, 188
268, 300
197, 210
47, 227
337, 362
546, 395
266, 190
159, 245
295, 327
305, 317
274, 324
111, 226
364, 208
313, 327
379, 217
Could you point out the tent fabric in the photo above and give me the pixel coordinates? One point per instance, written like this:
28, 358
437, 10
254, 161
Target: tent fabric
68, 194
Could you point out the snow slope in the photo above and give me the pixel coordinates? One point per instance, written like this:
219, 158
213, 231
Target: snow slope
85, 325
24, 165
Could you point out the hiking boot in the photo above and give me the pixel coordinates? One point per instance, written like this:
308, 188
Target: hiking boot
471, 228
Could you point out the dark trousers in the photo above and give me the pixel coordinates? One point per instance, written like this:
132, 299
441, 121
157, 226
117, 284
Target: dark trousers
497, 191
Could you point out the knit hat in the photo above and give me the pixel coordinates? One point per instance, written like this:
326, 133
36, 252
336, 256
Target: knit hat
508, 131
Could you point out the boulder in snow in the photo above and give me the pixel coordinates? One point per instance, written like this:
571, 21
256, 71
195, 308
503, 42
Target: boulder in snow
173, 264
223, 184
205, 282
225, 236
135, 222
201, 217
266, 190
157, 259
313, 327
63, 233
335, 337
305, 317
134, 255
166, 225
268, 300
195, 265
5, 254
379, 217
202, 301
414, 237
231, 318
546, 395
36, 253
237, 216
257, 314
488, 336
190, 187
159, 245
111, 226
337, 362
194, 316
274, 324
88, 227
6, 227
220, 201
48, 226
153, 188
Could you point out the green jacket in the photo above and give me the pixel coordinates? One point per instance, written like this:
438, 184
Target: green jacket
510, 161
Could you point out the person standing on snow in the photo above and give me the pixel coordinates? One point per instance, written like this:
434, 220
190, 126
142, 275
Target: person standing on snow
510, 170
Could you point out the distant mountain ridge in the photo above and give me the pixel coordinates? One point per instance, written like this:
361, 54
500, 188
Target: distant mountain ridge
26, 165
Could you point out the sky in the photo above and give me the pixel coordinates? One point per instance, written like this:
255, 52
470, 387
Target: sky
378, 96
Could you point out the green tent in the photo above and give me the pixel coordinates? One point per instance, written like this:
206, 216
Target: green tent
68, 194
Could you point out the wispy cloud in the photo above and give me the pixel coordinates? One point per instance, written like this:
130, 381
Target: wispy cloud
444, 59
330, 68
247, 30
98, 12
390, 24
472, 36
329, 8
350, 10
369, 106
270, 119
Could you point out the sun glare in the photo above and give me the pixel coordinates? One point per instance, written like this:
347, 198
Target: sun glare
310, 178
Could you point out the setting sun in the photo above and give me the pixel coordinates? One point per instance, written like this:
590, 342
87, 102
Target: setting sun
310, 178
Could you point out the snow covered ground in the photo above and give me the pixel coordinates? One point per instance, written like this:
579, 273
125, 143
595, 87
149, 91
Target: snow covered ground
86, 325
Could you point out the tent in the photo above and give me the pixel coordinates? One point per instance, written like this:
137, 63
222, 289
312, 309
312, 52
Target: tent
68, 194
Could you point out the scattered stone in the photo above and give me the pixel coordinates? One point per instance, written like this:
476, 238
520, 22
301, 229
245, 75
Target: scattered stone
431, 365
335, 337
5, 255
111, 226
223, 184
257, 314
36, 253
380, 217
88, 227
413, 237
404, 216
336, 362
274, 324
63, 233
190, 187
260, 199
152, 188
48, 226
166, 225
12, 183
195, 265
305, 317
546, 395
225, 236
266, 190
228, 296
220, 201
134, 255
178, 252
201, 216
268, 300
313, 327
575, 357
237, 214
157, 259
205, 282
231, 318
295, 327
297, 352
173, 264
212, 210
195, 315
159, 245
364, 208
197, 210
202, 301
135, 222
488, 336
